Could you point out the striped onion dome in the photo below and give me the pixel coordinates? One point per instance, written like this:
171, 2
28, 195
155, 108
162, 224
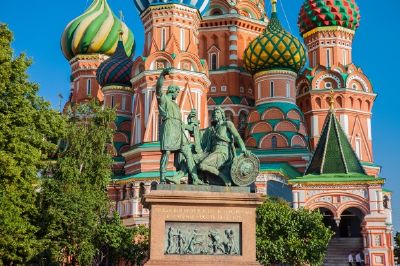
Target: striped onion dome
323, 13
115, 70
201, 5
275, 48
96, 31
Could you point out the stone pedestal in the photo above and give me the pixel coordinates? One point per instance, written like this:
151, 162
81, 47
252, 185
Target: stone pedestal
189, 226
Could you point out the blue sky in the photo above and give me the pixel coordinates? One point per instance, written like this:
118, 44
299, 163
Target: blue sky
38, 26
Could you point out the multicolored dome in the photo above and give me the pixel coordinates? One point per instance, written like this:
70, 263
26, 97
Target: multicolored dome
275, 48
96, 31
115, 70
201, 5
322, 13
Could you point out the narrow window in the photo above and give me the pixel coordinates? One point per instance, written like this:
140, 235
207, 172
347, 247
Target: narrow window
328, 57
241, 89
213, 61
259, 90
123, 105
148, 40
163, 38
213, 89
344, 57
272, 89
133, 104
182, 37
287, 89
223, 88
274, 142
358, 148
112, 101
314, 58
89, 87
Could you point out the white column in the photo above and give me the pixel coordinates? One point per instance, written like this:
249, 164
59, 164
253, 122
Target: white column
369, 129
344, 121
314, 126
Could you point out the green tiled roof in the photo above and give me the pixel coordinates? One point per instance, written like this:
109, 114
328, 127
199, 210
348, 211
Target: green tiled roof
284, 168
336, 178
142, 175
235, 100
334, 154
260, 152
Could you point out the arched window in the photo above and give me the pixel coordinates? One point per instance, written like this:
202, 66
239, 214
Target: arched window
328, 57
213, 61
123, 103
89, 87
287, 89
272, 91
242, 124
386, 202
142, 190
163, 38
274, 142
182, 39
112, 101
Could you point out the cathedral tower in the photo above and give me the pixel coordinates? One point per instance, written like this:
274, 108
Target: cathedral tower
226, 30
328, 28
86, 42
171, 40
276, 128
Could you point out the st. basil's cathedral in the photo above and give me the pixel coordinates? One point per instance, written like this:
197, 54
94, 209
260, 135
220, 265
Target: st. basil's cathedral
303, 109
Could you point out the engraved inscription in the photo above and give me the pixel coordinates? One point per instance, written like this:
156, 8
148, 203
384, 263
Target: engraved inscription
205, 214
187, 238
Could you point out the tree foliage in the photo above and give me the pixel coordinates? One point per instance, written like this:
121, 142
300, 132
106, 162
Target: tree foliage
294, 237
397, 245
29, 129
74, 198
76, 210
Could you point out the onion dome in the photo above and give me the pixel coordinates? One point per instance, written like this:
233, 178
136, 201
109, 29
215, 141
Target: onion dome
275, 48
200, 5
96, 31
322, 13
115, 70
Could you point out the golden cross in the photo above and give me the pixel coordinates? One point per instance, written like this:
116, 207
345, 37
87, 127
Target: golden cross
332, 100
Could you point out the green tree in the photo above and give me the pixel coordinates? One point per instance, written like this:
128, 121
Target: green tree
294, 237
120, 244
29, 129
74, 203
397, 245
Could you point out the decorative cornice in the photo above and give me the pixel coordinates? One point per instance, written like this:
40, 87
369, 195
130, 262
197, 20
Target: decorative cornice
116, 88
328, 28
275, 71
89, 57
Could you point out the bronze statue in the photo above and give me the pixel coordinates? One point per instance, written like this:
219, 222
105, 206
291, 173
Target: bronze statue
212, 155
172, 136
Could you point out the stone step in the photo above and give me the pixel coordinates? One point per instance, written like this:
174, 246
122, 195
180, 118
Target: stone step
338, 250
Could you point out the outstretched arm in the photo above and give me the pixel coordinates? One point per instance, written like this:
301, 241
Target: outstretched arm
160, 81
237, 137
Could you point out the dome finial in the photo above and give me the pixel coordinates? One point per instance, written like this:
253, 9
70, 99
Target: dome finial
273, 3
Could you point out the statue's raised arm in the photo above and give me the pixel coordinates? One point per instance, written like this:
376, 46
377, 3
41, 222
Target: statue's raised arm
160, 81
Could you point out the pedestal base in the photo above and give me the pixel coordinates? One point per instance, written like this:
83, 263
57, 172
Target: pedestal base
202, 227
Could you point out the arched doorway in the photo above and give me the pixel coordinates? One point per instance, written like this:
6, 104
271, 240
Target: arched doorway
329, 220
350, 222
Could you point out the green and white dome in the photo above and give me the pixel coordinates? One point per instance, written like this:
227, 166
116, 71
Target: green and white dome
96, 31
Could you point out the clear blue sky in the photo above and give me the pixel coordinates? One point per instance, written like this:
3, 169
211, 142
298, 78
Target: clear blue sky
38, 26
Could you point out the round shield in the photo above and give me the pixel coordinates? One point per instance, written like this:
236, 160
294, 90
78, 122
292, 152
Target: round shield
244, 170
